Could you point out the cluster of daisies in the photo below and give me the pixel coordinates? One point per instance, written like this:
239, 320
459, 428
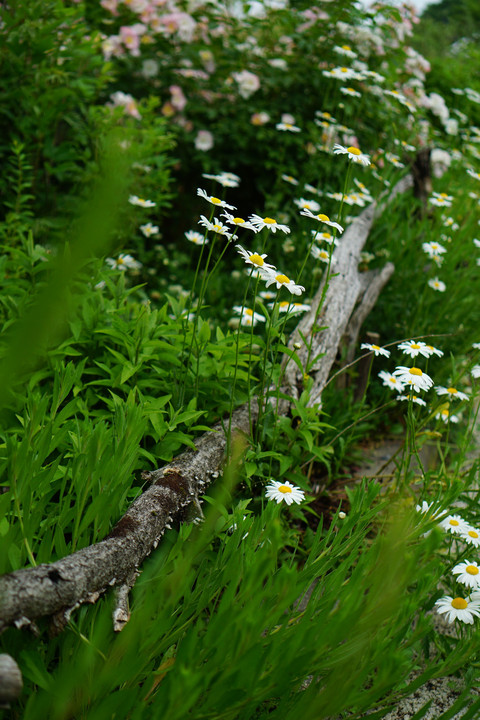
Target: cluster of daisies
465, 606
415, 380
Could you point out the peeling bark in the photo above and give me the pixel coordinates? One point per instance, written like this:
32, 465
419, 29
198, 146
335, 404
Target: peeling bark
57, 588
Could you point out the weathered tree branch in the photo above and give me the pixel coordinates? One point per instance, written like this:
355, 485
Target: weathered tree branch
56, 589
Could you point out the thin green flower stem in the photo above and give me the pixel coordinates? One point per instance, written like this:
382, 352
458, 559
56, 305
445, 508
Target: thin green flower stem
306, 257
250, 424
195, 323
264, 367
277, 398
349, 427
237, 350
329, 266
319, 307
345, 187
185, 320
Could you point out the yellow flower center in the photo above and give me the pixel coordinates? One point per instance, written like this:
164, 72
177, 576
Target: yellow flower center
256, 259
120, 261
454, 523
269, 221
215, 201
416, 371
350, 90
326, 114
238, 221
282, 279
375, 347
443, 195
415, 346
445, 413
452, 390
354, 150
323, 218
393, 379
217, 228
346, 47
473, 534
249, 312
325, 236
472, 570
284, 304
344, 70
284, 489
459, 603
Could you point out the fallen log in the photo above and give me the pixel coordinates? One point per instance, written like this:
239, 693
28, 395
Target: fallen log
56, 589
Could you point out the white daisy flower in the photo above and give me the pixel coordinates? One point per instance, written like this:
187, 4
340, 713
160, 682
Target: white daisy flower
135, 200
350, 91
390, 381
267, 222
476, 346
473, 174
354, 154
283, 281
363, 189
395, 94
322, 255
413, 348
216, 226
196, 237
432, 351
345, 50
226, 179
394, 159
214, 200
453, 392
471, 536
239, 222
289, 127
148, 229
322, 218
445, 416
326, 237
440, 201
290, 307
476, 371
412, 398
437, 284
468, 573
290, 179
248, 318
476, 242
284, 491
343, 73
458, 609
433, 248
414, 377
254, 259
123, 262
376, 349
304, 204
454, 524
